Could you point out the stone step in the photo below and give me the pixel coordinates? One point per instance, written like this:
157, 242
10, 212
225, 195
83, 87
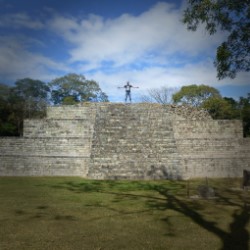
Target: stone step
45, 146
127, 142
132, 142
135, 173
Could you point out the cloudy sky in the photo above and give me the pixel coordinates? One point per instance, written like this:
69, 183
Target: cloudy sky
112, 42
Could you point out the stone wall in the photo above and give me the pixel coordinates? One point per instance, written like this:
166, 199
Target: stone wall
117, 141
217, 129
58, 145
214, 148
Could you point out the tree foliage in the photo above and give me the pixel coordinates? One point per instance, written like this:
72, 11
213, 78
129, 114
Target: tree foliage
230, 16
195, 95
32, 95
28, 98
28, 87
6, 125
73, 88
221, 108
244, 104
209, 98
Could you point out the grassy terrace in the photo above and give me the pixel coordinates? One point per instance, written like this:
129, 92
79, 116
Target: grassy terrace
73, 213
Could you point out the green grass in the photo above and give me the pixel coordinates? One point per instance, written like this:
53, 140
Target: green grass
73, 213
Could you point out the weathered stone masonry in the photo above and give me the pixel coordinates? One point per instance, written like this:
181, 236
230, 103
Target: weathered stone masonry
117, 141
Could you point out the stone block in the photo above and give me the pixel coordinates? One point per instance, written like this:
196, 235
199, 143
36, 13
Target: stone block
117, 141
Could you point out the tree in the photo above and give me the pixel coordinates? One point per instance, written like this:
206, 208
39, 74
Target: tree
161, 95
7, 128
73, 88
221, 108
195, 95
28, 87
244, 103
227, 15
27, 99
32, 95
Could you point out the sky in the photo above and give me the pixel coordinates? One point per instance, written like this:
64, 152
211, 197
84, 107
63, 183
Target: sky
112, 42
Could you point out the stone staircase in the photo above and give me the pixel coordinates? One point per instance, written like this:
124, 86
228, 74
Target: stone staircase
133, 142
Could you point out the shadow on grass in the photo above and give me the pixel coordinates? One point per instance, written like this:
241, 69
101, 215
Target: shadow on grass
236, 238
40, 213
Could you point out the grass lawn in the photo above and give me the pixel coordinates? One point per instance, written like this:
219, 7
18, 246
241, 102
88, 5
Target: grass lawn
74, 213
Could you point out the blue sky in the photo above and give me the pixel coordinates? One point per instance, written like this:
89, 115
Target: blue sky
112, 42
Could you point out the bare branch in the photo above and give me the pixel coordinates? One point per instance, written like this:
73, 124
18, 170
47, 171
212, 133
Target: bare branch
162, 95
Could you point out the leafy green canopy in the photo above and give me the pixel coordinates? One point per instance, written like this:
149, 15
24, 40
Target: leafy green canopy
231, 16
195, 95
73, 88
26, 99
222, 108
29, 98
27, 88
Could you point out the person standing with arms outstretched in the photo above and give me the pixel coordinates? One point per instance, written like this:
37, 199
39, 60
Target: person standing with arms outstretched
128, 91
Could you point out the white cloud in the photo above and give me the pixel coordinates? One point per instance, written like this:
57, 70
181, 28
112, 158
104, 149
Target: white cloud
156, 42
17, 62
20, 20
152, 36
151, 50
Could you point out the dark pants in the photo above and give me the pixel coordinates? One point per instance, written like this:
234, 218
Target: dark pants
128, 95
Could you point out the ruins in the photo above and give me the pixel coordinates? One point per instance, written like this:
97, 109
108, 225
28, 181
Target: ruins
119, 141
